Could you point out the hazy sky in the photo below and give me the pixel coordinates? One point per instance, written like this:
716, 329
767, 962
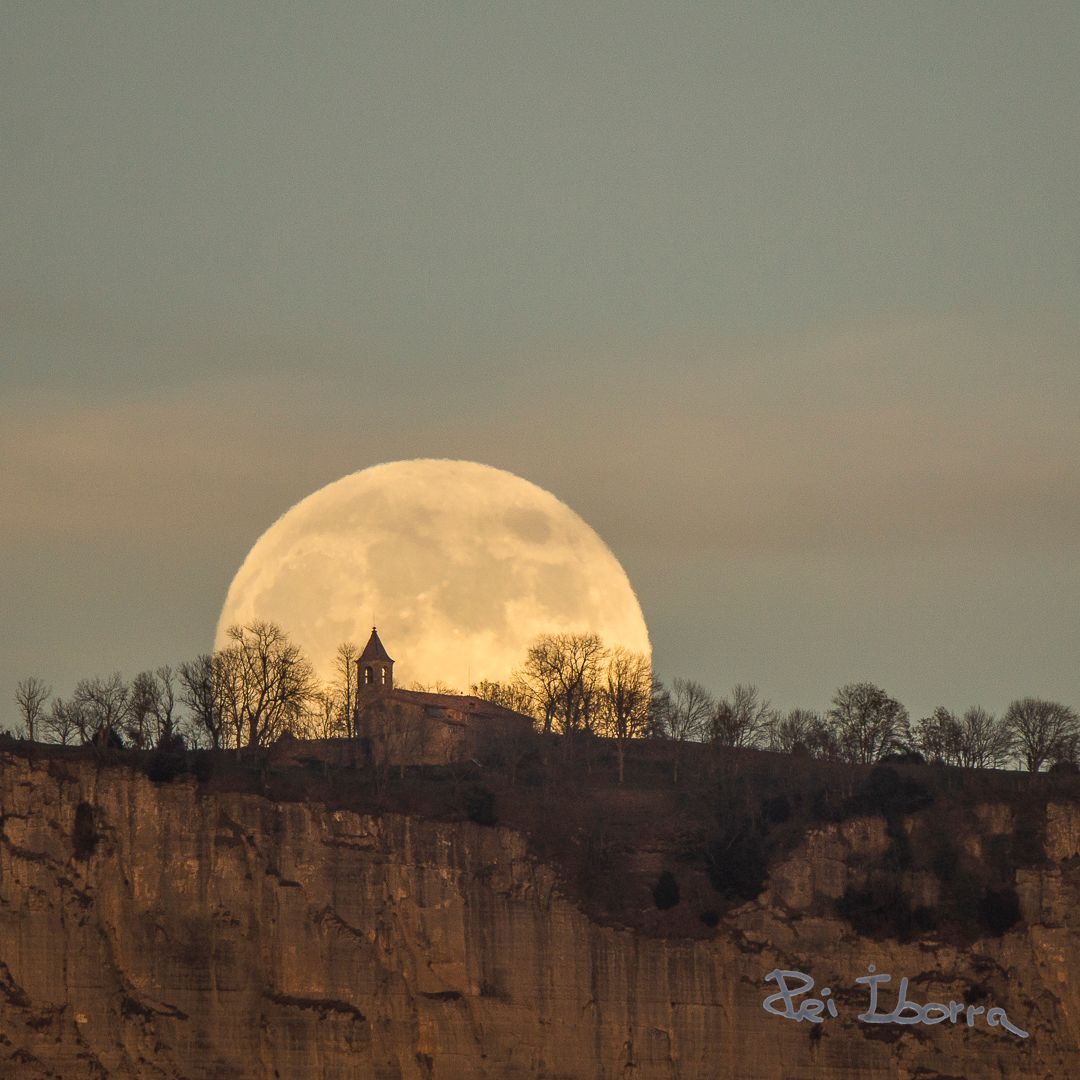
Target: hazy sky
783, 299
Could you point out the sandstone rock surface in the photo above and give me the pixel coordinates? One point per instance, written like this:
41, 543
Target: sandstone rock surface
161, 932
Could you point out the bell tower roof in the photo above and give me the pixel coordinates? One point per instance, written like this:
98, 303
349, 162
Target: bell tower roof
374, 650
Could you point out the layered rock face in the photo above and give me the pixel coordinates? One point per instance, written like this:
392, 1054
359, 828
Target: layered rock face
153, 931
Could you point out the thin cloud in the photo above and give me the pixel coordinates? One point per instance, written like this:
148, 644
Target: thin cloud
854, 438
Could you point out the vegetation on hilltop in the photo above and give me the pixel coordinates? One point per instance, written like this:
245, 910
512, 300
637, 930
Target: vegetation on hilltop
261, 686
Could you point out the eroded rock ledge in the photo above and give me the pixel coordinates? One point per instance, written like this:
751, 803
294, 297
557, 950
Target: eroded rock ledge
152, 931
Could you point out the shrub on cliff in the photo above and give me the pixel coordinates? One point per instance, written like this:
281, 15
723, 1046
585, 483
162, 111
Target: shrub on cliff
84, 837
738, 865
666, 891
165, 765
999, 910
878, 909
480, 806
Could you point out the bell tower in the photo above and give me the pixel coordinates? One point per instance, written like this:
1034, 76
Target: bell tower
374, 668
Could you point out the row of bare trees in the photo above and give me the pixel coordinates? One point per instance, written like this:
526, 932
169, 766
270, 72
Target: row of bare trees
247, 694
572, 683
142, 713
864, 724
1035, 731
261, 686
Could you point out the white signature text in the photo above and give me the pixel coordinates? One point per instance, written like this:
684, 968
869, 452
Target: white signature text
797, 984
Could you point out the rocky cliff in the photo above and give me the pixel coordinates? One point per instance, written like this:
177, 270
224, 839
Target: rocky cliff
152, 930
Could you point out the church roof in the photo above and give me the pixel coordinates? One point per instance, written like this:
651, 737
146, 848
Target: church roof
459, 703
374, 650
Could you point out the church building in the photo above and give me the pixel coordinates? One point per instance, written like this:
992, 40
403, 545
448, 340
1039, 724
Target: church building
405, 727
413, 727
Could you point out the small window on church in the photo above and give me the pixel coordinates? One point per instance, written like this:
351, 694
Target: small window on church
368, 676
382, 672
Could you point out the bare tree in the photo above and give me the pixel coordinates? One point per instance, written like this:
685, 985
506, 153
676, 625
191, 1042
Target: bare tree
144, 692
626, 695
331, 711
977, 740
540, 674
231, 691
741, 721
397, 736
938, 737
436, 687
802, 732
102, 708
345, 676
514, 695
1039, 729
686, 717
263, 682
153, 701
198, 695
324, 718
691, 707
563, 673
30, 696
1065, 753
868, 724
985, 741
262, 685
60, 722
659, 708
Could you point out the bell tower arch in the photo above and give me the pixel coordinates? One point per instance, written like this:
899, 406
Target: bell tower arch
374, 667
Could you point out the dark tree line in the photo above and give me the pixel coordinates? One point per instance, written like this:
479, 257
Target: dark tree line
573, 685
246, 695
566, 685
261, 686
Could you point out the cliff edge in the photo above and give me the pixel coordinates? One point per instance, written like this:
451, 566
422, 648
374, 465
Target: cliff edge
161, 930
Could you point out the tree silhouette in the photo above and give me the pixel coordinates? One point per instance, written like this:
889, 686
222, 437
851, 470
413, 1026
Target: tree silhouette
802, 732
626, 694
563, 673
198, 695
868, 723
101, 708
685, 717
741, 721
60, 722
264, 684
515, 695
1041, 729
30, 696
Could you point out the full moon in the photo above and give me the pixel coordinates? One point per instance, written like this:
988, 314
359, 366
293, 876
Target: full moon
460, 565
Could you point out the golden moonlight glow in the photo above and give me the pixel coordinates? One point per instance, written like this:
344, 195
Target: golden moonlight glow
460, 565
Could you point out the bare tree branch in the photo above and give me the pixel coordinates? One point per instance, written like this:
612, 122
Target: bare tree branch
1040, 728
868, 723
265, 682
741, 721
626, 695
30, 696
